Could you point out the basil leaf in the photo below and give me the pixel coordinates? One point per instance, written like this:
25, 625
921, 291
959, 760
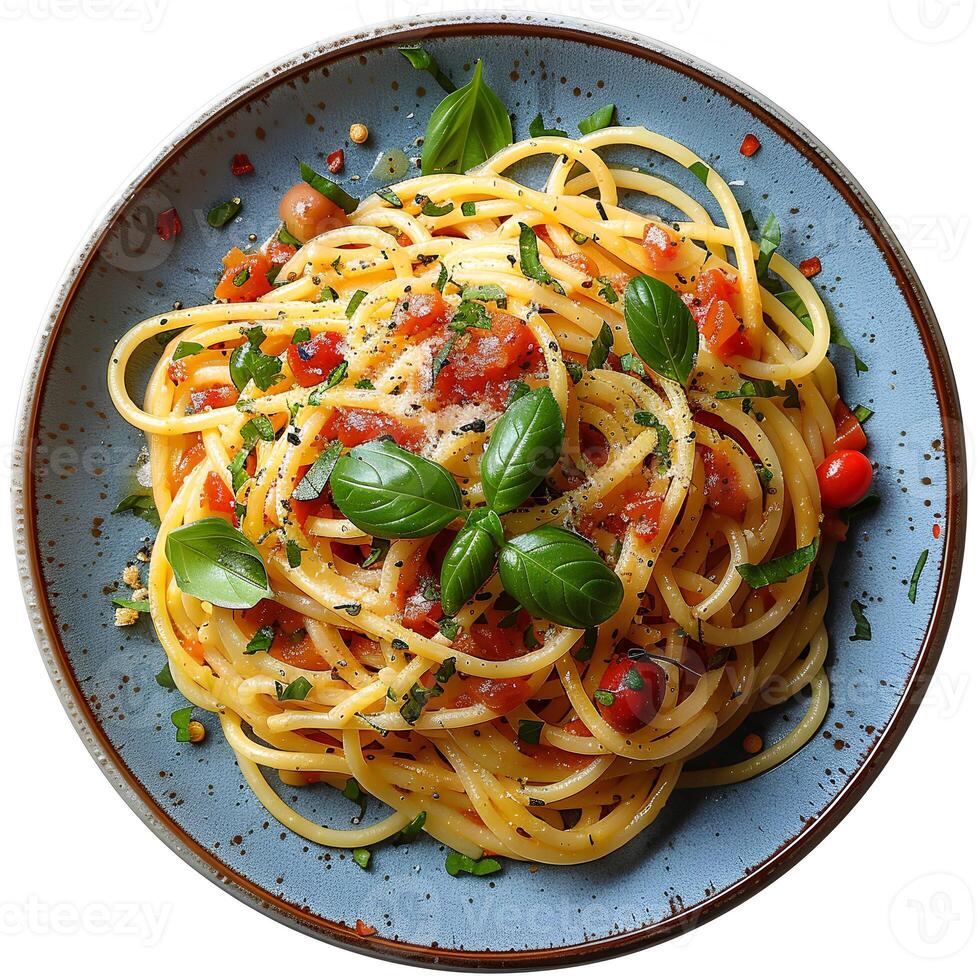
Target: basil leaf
287, 239
255, 429
336, 375
589, 640
261, 642
249, 363
466, 129
389, 492
457, 863
605, 698
441, 357
525, 444
631, 364
781, 568
601, 346
536, 129
410, 833
421, 59
661, 328
449, 627
361, 856
301, 335
295, 691
186, 348
862, 628
600, 119
220, 215
468, 209
140, 504
316, 477
470, 558
531, 260
862, 413
214, 561
470, 316
768, 244
181, 720
326, 187
530, 731
791, 300
575, 371
608, 291
557, 575
485, 294
917, 574
294, 553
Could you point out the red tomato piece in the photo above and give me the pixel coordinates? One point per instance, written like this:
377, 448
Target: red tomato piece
723, 333
483, 364
811, 267
661, 246
716, 422
850, 435
353, 426
581, 262
219, 397
637, 689
217, 496
722, 486
593, 444
416, 584
245, 279
498, 694
168, 224
335, 161
420, 314
312, 362
279, 253
641, 511
185, 464
844, 478
750, 145
308, 213
241, 165
714, 284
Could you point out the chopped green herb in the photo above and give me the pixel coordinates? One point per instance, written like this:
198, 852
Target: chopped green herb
390, 197
470, 316
315, 479
575, 371
585, 651
468, 209
771, 238
287, 239
632, 364
916, 575
165, 678
221, 214
294, 553
378, 551
361, 856
601, 346
261, 642
700, 170
633, 679
328, 188
781, 568
410, 833
600, 119
140, 504
448, 627
605, 698
537, 129
862, 413
461, 864
419, 58
355, 302
486, 294
301, 335
186, 348
664, 437
336, 375
295, 691
181, 719
862, 628
140, 605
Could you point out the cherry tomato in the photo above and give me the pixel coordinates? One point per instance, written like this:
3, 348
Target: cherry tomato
660, 245
844, 478
307, 213
421, 314
183, 466
724, 334
245, 279
354, 426
850, 435
279, 253
312, 362
722, 486
219, 397
498, 694
217, 496
637, 690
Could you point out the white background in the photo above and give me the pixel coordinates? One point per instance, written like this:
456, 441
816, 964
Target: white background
90, 87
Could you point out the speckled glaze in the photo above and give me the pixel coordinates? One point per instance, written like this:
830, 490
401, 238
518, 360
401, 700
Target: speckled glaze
709, 849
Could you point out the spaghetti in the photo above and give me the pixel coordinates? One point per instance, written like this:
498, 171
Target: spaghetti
421, 317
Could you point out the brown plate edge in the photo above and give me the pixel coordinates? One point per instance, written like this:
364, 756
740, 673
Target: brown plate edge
790, 852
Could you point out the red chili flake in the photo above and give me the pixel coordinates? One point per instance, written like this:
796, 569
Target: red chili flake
168, 224
750, 145
335, 161
241, 165
811, 267
936, 531
364, 930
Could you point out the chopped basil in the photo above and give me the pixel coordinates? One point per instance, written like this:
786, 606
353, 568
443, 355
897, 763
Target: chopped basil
336, 375
328, 295
536, 130
468, 209
261, 642
165, 678
633, 679
700, 170
781, 568
862, 628
257, 428
449, 627
664, 437
140, 605
352, 790
865, 505
301, 335
797, 307
295, 691
416, 700
530, 731
351, 608
316, 477
461, 864
608, 293
221, 214
470, 316
326, 187
294, 553
365, 384
771, 237
389, 196
443, 278
379, 550
441, 357
140, 504
914, 583
287, 239
355, 302
605, 698
419, 58
531, 260
575, 371
600, 119
445, 670
432, 210
241, 277
585, 651
410, 832
249, 363
486, 294
862, 413
181, 720
601, 346
631, 364
361, 856
186, 348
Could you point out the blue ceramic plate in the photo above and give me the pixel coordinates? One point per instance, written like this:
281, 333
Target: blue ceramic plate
709, 849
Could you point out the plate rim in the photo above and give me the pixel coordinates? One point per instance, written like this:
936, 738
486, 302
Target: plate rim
341, 934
